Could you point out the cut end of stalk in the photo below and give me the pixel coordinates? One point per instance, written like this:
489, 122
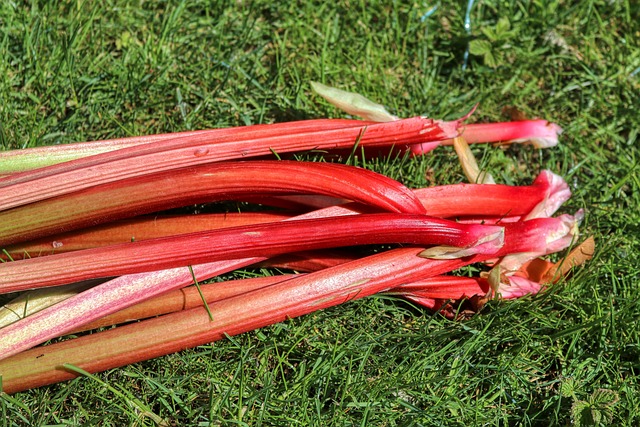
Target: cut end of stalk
557, 192
548, 136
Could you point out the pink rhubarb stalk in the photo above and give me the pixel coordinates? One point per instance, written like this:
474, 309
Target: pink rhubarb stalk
540, 133
439, 287
184, 299
292, 298
170, 154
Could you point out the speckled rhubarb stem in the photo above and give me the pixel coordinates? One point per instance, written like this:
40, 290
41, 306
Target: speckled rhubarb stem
246, 312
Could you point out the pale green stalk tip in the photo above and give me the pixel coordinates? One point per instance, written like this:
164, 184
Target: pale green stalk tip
353, 103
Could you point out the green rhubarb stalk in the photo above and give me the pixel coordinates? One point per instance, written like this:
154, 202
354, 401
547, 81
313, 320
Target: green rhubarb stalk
262, 240
204, 183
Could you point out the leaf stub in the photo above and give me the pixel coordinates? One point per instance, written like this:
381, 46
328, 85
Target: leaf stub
353, 103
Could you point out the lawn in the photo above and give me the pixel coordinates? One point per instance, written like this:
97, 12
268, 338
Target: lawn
78, 71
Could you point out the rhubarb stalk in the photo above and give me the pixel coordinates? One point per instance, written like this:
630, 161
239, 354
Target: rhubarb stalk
467, 202
136, 229
204, 183
171, 154
295, 297
238, 242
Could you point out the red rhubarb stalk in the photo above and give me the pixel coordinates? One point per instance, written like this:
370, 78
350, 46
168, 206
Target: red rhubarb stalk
136, 229
308, 261
472, 203
102, 300
231, 316
534, 235
263, 240
541, 133
119, 293
199, 184
482, 201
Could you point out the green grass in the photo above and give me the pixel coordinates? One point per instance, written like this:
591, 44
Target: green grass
72, 71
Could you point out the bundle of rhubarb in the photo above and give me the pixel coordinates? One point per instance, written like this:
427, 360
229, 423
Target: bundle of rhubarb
86, 244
